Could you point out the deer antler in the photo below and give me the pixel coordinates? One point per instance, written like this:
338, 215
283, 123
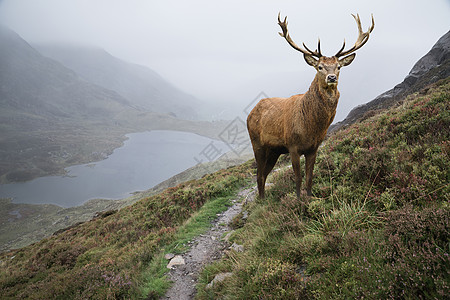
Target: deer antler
363, 37
285, 34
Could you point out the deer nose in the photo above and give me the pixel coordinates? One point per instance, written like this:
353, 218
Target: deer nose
331, 78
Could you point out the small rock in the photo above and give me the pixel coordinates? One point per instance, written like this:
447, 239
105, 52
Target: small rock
213, 238
219, 278
237, 248
169, 256
176, 261
227, 237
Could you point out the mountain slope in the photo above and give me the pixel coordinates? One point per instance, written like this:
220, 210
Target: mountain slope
47, 91
377, 226
143, 87
435, 65
49, 115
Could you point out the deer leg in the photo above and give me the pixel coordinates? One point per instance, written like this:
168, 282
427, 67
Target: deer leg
265, 160
310, 159
295, 158
271, 160
260, 157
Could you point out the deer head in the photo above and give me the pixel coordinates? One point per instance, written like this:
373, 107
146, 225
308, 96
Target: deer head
328, 68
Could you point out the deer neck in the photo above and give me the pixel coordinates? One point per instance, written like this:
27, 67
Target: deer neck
327, 95
320, 103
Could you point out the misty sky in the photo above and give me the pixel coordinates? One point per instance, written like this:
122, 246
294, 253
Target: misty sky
231, 50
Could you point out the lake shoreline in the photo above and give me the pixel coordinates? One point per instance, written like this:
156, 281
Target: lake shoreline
30, 154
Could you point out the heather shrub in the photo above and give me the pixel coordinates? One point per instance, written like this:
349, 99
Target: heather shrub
268, 279
278, 280
416, 250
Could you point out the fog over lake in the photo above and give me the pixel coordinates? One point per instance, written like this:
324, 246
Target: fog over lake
145, 160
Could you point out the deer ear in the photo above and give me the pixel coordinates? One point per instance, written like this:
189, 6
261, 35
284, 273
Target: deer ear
347, 60
310, 60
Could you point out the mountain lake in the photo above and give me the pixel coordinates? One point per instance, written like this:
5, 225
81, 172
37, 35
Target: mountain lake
144, 160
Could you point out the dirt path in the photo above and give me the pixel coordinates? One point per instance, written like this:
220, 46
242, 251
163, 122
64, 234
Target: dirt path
205, 249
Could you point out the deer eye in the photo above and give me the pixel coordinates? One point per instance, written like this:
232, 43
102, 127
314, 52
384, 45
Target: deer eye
320, 67
339, 67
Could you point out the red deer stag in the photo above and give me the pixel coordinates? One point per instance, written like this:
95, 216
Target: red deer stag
298, 125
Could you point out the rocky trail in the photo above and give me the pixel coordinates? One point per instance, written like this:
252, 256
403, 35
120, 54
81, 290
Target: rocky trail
204, 249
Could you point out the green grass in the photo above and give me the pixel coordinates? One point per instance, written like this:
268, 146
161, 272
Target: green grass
377, 226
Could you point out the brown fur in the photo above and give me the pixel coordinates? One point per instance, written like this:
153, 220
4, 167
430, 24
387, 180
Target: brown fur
295, 125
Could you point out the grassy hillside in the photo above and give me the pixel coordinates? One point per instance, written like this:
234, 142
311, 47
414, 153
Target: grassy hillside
377, 226
117, 254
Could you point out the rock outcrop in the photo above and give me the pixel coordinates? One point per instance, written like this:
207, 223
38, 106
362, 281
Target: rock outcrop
435, 65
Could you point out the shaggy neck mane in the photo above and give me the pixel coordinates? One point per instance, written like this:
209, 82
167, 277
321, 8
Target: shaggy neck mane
328, 94
320, 104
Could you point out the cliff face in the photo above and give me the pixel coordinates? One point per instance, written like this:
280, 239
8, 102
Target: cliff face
435, 65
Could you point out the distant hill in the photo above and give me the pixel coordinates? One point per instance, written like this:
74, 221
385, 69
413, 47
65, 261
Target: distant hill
143, 87
39, 90
435, 65
46, 112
